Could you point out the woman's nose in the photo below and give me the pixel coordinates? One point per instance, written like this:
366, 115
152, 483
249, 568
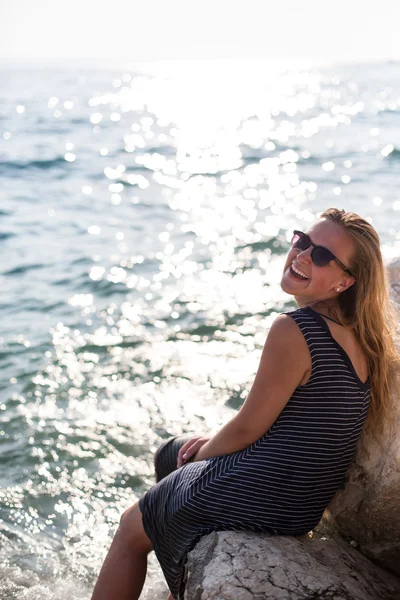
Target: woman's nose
304, 256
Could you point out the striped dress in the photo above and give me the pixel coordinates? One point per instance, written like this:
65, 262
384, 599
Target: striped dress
282, 483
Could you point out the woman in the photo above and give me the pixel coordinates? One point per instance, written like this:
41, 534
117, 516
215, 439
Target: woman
275, 466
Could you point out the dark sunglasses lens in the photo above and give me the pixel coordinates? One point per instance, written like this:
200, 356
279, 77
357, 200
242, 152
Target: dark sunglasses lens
321, 256
300, 241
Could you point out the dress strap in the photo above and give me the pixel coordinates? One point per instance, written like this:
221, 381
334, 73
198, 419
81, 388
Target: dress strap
326, 317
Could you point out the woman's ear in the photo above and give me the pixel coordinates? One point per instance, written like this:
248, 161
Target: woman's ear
345, 284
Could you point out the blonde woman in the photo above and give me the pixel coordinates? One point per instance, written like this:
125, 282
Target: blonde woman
325, 372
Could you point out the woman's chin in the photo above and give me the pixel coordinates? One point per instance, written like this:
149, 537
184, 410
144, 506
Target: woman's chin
300, 299
288, 283
285, 287
288, 289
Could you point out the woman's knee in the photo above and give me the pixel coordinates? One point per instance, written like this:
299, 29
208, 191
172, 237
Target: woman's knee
131, 528
166, 456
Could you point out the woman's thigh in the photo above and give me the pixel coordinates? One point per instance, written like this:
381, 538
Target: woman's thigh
132, 530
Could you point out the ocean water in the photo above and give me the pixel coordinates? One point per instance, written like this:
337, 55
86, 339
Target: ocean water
145, 212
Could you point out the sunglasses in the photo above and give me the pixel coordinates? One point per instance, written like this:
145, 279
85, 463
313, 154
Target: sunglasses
320, 255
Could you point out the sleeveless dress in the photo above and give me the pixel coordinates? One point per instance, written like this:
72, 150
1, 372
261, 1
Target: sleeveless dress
280, 484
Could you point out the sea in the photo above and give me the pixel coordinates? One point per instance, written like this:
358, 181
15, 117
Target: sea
145, 213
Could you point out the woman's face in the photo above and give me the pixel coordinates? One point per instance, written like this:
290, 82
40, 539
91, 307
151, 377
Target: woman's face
319, 283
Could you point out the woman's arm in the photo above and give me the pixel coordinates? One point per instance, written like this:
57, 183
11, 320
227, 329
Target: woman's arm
284, 362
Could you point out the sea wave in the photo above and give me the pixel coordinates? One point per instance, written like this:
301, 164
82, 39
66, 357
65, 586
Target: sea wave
42, 164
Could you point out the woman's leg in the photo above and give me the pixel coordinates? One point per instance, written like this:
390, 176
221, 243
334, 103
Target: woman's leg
124, 569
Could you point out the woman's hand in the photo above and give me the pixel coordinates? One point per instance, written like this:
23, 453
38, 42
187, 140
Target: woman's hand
190, 449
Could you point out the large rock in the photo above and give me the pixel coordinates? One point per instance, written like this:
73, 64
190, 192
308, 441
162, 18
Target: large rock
368, 508
247, 566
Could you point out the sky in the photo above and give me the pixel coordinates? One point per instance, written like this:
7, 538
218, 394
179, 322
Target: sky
153, 30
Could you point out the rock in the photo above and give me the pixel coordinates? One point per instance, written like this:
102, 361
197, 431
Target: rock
393, 267
368, 508
248, 566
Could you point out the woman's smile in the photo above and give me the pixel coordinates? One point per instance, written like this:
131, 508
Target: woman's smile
297, 273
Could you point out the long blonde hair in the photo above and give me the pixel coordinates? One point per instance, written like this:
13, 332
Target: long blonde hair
366, 307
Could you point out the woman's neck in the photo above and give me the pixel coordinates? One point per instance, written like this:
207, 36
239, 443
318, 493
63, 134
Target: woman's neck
328, 307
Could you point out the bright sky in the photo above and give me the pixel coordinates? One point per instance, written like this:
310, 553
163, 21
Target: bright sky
340, 30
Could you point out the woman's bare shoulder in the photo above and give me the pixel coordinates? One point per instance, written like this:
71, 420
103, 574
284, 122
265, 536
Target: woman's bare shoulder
285, 328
